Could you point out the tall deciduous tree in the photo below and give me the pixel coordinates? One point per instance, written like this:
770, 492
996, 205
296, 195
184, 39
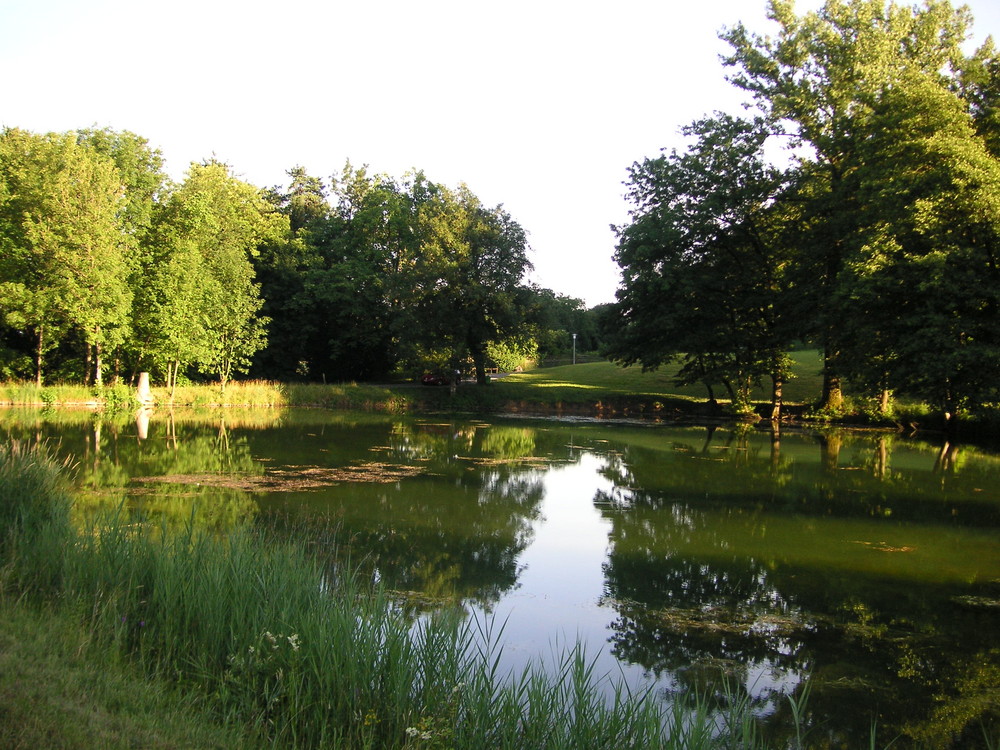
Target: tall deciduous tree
224, 220
65, 264
473, 261
924, 281
140, 168
822, 78
703, 261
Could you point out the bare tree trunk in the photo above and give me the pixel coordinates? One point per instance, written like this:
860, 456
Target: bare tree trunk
777, 384
950, 411
884, 398
479, 361
172, 378
88, 364
833, 396
730, 391
711, 392
98, 374
38, 356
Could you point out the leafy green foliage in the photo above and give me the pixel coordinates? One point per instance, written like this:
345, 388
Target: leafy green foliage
63, 267
879, 244
703, 263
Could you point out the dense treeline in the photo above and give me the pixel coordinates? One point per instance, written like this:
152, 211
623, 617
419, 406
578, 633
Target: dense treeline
108, 268
879, 240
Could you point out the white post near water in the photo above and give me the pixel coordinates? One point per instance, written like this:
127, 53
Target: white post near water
142, 392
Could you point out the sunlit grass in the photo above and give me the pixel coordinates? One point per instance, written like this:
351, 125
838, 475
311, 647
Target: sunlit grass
19, 392
804, 387
236, 393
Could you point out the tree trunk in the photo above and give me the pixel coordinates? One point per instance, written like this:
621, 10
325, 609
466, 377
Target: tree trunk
885, 397
777, 383
730, 391
38, 356
950, 411
172, 378
88, 365
950, 424
98, 374
833, 397
479, 361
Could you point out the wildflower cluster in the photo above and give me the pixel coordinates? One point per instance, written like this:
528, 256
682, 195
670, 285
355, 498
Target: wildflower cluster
260, 679
436, 731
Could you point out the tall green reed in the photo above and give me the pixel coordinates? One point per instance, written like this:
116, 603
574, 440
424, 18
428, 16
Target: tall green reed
34, 514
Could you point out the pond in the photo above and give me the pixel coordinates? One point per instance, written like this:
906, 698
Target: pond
863, 567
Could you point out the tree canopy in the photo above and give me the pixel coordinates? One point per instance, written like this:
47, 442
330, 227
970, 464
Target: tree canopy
877, 243
357, 277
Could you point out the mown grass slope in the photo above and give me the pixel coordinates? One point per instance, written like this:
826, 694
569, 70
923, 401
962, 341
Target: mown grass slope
593, 378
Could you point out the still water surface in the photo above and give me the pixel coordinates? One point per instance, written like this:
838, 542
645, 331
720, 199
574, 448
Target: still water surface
864, 565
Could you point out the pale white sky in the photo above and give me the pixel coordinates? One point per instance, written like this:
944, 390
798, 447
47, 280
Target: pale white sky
540, 105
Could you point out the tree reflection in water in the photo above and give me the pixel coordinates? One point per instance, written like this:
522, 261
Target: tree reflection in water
723, 581
454, 533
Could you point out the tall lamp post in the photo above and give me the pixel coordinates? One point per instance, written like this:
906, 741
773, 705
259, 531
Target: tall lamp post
574, 348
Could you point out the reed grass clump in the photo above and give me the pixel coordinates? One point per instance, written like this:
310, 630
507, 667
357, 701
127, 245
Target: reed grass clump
254, 393
350, 396
34, 514
298, 651
27, 393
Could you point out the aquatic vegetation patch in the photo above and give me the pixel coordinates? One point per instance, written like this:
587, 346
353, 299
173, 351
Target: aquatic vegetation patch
294, 479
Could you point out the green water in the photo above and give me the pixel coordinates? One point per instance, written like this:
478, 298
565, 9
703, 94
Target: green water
864, 565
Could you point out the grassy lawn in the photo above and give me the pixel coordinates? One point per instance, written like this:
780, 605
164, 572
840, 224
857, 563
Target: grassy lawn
603, 379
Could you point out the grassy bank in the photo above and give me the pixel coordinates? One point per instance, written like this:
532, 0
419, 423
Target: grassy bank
60, 690
258, 638
245, 393
591, 389
595, 387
